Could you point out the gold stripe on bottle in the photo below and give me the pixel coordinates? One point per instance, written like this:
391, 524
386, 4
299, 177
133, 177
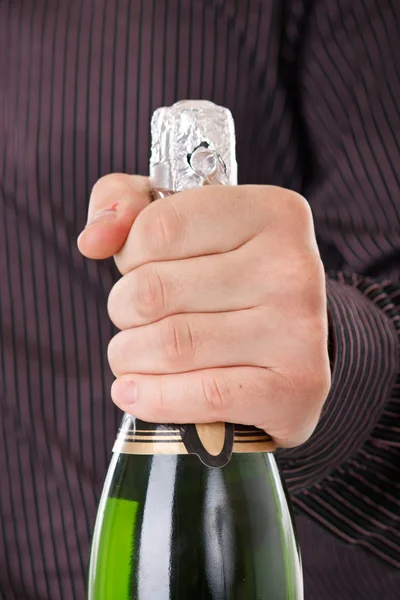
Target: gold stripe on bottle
240, 448
151, 447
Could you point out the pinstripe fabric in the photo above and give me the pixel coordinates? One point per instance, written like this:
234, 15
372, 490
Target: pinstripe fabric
314, 88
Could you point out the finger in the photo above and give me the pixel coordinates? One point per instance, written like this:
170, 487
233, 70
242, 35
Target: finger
247, 395
190, 342
217, 283
208, 220
115, 202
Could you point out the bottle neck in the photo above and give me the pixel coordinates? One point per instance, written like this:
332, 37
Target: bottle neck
159, 193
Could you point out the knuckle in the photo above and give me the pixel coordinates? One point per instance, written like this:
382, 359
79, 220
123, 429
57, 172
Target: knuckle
161, 227
177, 342
305, 275
313, 385
303, 391
107, 186
116, 304
298, 219
321, 382
149, 293
216, 395
298, 206
112, 305
115, 353
313, 269
103, 183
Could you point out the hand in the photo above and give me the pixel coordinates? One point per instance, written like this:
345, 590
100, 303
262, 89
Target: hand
222, 305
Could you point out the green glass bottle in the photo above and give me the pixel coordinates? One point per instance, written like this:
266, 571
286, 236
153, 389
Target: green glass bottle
193, 512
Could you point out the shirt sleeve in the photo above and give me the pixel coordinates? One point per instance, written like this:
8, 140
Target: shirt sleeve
347, 476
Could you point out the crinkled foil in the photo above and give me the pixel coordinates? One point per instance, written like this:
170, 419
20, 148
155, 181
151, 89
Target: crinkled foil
193, 144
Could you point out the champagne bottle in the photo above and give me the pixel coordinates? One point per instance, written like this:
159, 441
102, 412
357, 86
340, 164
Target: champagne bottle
193, 512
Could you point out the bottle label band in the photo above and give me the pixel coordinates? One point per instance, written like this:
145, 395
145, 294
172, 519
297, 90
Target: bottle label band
212, 443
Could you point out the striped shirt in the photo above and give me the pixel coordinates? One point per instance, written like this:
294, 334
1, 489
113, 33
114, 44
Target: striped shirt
314, 88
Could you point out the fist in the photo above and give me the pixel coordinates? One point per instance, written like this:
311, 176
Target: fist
221, 305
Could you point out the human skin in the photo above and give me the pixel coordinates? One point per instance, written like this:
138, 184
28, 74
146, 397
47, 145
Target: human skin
221, 305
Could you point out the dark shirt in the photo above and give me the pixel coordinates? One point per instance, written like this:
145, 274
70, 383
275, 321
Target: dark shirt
314, 88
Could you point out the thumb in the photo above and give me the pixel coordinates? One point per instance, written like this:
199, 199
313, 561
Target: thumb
115, 202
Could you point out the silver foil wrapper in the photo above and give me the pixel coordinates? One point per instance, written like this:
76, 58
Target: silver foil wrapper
193, 144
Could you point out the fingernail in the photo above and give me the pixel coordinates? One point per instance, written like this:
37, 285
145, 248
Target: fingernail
104, 216
125, 392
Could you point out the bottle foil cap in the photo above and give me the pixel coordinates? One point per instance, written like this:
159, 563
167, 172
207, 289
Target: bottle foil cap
193, 144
